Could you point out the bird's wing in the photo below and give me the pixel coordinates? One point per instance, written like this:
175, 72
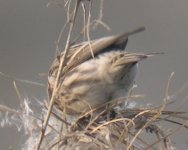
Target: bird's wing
86, 50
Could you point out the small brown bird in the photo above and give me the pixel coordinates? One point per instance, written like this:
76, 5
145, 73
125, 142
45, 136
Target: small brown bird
96, 72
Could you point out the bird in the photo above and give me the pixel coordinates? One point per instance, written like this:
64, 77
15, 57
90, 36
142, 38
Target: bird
96, 72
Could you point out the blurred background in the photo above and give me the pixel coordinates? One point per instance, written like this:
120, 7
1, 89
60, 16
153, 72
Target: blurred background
28, 31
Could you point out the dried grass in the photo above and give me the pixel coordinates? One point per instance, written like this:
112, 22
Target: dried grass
128, 128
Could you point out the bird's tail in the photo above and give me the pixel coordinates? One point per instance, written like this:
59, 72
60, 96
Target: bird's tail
126, 58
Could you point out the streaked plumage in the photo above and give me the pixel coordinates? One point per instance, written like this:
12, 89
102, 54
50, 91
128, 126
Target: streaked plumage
90, 82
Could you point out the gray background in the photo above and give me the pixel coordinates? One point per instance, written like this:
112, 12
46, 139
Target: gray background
28, 31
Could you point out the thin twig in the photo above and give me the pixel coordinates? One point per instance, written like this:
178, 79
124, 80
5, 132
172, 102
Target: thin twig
145, 125
84, 19
88, 28
8, 109
62, 64
109, 122
167, 88
168, 135
22, 80
19, 96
